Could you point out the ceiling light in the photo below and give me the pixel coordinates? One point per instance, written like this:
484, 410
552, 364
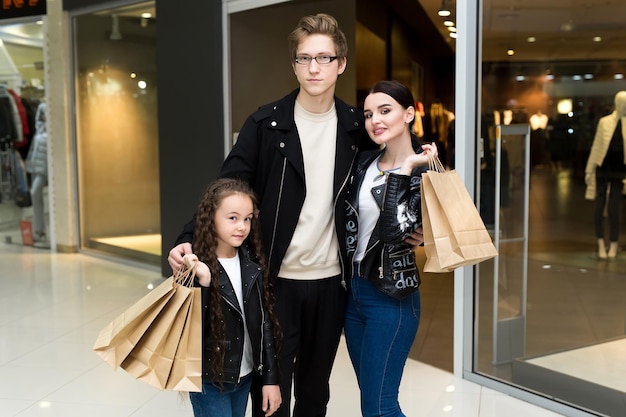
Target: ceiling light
446, 8
452, 35
510, 52
448, 23
531, 39
619, 76
597, 39
564, 106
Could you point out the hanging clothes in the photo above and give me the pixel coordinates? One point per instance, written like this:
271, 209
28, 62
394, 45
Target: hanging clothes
22, 143
9, 117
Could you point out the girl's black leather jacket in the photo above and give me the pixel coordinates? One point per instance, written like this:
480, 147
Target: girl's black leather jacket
389, 263
256, 318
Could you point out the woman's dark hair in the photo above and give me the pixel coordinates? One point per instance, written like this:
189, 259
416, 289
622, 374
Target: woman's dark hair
400, 93
205, 245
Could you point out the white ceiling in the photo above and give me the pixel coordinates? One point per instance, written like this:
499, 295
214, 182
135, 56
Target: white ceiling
29, 34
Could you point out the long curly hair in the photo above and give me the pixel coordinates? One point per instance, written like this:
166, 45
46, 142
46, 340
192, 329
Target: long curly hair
205, 245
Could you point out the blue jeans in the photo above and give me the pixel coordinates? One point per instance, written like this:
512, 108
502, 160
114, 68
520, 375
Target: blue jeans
213, 401
379, 333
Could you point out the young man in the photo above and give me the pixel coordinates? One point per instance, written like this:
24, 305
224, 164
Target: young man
297, 153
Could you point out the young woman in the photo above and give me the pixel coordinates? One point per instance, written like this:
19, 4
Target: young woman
383, 208
238, 325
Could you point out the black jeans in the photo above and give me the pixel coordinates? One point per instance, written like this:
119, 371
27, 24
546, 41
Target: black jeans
311, 315
614, 206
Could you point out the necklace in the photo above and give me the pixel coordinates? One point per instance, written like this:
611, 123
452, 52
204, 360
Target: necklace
381, 173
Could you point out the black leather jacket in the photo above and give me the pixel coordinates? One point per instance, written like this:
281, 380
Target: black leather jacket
268, 155
389, 263
257, 320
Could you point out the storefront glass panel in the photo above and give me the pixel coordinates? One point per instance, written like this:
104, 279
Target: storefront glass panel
22, 91
551, 310
117, 135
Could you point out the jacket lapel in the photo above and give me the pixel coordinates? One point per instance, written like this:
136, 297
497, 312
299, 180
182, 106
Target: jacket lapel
227, 290
288, 142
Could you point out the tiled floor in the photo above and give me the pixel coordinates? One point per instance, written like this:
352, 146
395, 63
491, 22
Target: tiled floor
52, 307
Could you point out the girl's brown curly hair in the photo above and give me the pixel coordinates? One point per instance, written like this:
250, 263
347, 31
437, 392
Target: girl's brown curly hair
205, 245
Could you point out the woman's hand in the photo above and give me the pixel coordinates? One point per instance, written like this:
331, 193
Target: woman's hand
419, 159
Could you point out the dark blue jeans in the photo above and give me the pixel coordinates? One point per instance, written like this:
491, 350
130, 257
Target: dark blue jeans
379, 333
231, 401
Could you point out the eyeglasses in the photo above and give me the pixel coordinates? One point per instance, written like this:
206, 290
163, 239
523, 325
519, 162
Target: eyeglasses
320, 59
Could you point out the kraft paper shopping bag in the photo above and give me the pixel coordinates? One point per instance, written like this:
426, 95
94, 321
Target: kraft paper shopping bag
152, 358
186, 373
119, 337
454, 233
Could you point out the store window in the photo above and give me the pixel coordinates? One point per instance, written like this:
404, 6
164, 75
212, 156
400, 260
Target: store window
22, 90
551, 310
117, 135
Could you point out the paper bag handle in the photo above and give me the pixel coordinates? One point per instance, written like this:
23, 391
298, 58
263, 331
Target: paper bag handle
185, 275
434, 164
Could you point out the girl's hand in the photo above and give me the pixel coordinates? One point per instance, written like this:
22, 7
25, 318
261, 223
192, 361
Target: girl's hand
419, 159
189, 260
203, 273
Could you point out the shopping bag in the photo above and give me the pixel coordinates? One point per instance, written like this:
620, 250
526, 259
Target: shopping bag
454, 233
186, 373
151, 359
118, 338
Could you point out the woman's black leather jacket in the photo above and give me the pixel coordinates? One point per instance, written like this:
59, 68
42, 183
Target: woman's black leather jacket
389, 263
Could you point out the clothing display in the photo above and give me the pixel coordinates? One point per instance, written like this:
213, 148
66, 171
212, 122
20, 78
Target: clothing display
605, 173
37, 166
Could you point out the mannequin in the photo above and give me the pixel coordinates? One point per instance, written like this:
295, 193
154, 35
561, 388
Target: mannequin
37, 165
605, 172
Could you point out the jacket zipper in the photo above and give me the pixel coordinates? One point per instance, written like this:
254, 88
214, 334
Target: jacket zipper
260, 367
280, 196
343, 261
380, 268
241, 352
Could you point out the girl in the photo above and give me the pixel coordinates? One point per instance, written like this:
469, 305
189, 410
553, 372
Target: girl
383, 207
238, 325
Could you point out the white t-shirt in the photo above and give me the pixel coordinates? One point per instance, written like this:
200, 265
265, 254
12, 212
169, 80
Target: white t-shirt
232, 266
369, 210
